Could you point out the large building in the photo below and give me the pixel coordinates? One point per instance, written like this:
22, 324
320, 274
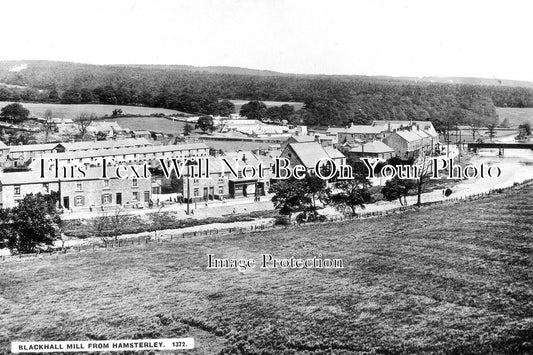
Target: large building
79, 193
360, 133
406, 144
22, 155
149, 155
308, 154
373, 149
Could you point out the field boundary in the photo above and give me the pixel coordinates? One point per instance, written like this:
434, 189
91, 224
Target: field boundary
218, 232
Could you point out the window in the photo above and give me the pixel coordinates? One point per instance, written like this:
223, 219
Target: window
79, 186
17, 189
135, 196
221, 191
79, 201
195, 181
147, 196
46, 188
134, 182
106, 184
106, 198
196, 192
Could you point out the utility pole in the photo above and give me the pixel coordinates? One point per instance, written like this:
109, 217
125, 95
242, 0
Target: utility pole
448, 141
188, 165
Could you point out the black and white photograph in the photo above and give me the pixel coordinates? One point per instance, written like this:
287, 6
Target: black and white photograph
264, 177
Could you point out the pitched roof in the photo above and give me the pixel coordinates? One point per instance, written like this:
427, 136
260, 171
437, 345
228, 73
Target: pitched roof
34, 177
395, 124
119, 143
421, 134
310, 153
408, 136
74, 146
126, 151
303, 139
335, 130
334, 153
25, 177
363, 129
33, 147
3, 145
373, 147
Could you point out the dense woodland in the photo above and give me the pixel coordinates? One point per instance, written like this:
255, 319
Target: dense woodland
329, 100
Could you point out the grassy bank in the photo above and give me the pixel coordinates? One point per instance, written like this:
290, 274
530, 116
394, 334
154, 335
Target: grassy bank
447, 279
73, 110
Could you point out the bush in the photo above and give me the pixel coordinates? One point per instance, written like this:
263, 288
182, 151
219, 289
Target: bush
281, 220
448, 192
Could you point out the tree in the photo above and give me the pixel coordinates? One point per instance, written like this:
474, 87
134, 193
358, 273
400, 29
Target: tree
280, 113
315, 189
205, 123
505, 123
424, 174
225, 108
187, 129
100, 229
158, 219
492, 130
48, 124
53, 95
475, 125
34, 222
352, 193
289, 196
101, 136
525, 129
117, 112
83, 121
397, 188
254, 110
71, 96
117, 221
108, 226
14, 113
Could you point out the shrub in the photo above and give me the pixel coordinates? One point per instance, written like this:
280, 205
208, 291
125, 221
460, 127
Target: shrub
281, 220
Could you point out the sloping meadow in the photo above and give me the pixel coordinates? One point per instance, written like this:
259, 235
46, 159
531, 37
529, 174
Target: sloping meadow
445, 279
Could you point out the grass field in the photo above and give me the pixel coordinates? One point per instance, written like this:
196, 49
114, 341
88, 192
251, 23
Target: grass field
156, 124
516, 116
238, 104
71, 111
447, 279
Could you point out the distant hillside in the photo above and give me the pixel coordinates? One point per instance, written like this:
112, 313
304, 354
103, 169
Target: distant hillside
209, 69
328, 100
471, 81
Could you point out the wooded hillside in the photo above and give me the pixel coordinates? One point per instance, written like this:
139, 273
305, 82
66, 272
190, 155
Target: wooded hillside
329, 100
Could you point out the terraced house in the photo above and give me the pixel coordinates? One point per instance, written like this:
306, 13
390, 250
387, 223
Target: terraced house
23, 155
78, 193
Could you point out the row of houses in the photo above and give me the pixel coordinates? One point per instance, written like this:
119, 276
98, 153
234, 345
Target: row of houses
90, 191
383, 139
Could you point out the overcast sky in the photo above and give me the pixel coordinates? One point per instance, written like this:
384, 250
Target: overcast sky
489, 39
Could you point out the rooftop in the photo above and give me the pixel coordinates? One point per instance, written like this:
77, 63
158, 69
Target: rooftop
372, 147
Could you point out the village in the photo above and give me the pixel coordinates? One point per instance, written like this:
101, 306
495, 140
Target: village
24, 165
